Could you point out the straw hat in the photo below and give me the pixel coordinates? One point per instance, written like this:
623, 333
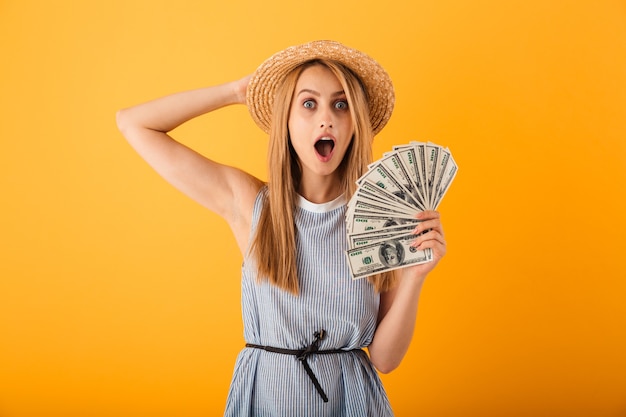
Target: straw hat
267, 77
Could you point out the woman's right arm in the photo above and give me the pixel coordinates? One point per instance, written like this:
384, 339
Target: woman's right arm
225, 190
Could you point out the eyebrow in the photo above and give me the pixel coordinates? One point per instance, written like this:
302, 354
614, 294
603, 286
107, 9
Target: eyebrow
316, 93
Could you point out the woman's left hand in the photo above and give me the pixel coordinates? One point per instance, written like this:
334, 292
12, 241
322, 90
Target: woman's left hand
429, 234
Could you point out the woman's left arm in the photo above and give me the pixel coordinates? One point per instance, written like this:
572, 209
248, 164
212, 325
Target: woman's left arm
398, 307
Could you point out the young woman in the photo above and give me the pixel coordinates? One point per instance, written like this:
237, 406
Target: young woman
306, 321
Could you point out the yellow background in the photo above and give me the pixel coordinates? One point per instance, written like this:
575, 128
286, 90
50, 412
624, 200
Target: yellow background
120, 297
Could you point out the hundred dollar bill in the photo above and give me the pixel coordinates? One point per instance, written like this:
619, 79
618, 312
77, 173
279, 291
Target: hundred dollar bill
421, 172
382, 194
363, 206
442, 162
368, 222
395, 167
432, 155
356, 240
386, 256
446, 179
408, 155
381, 176
362, 196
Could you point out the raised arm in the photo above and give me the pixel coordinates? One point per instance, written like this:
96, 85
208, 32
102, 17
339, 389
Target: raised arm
398, 307
225, 190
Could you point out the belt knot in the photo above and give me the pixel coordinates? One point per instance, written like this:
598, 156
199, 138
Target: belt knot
313, 347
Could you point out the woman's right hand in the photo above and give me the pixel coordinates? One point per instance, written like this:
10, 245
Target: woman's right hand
240, 87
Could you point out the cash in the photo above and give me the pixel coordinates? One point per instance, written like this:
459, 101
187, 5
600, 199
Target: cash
380, 217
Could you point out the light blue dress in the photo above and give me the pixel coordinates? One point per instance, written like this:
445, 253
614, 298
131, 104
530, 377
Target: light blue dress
274, 384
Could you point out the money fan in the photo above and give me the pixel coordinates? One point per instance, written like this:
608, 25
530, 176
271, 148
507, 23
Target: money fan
380, 216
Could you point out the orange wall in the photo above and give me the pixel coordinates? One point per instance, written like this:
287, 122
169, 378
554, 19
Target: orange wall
120, 297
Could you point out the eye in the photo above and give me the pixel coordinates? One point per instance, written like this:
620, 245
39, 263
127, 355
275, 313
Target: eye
308, 104
341, 105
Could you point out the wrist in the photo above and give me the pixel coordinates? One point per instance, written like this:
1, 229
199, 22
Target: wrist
410, 277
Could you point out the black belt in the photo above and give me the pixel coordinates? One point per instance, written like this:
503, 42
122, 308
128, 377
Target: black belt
301, 355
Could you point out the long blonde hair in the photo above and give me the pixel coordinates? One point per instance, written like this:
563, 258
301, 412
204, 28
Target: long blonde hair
274, 243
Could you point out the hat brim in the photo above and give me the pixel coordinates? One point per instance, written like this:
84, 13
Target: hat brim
270, 74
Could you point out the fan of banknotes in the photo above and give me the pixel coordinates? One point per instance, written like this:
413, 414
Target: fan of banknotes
380, 216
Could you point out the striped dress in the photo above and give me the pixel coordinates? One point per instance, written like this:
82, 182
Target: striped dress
275, 384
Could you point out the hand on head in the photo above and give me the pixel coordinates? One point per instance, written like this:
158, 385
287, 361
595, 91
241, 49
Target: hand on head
240, 86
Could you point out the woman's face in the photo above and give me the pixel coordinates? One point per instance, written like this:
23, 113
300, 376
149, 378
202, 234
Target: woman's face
320, 124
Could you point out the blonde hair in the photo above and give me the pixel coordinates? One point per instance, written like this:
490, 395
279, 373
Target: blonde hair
274, 243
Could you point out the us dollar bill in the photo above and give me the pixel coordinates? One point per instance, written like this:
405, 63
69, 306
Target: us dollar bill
432, 156
446, 179
396, 167
378, 174
367, 205
360, 223
442, 163
386, 255
356, 240
420, 155
382, 194
408, 155
363, 206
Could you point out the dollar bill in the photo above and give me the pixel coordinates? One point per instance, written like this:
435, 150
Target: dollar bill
382, 194
363, 206
378, 174
356, 240
432, 155
408, 155
369, 222
396, 167
367, 196
386, 255
446, 179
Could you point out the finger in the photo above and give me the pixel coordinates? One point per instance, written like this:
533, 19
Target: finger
438, 248
427, 215
426, 225
427, 237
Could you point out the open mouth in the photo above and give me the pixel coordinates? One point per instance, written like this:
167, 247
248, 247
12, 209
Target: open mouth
324, 146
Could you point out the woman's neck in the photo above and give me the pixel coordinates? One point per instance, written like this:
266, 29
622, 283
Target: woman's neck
320, 190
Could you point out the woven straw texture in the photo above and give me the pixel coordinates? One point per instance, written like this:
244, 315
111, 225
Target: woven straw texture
264, 81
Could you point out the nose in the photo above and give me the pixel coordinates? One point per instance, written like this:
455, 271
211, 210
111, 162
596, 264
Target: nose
326, 119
